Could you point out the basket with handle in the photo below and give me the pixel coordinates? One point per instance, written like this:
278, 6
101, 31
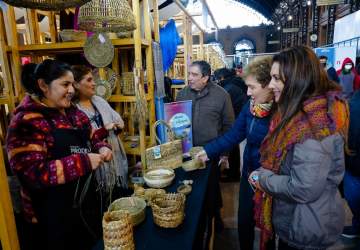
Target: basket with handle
118, 231
168, 154
46, 4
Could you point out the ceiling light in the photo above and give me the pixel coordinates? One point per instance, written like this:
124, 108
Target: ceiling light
278, 28
308, 2
290, 17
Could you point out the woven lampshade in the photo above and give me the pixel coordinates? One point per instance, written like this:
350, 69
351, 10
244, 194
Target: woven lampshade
46, 4
106, 16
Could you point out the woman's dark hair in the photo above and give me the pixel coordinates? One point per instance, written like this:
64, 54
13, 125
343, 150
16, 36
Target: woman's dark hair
49, 70
80, 71
303, 77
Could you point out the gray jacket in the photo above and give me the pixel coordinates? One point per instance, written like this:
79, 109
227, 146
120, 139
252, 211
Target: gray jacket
212, 112
308, 212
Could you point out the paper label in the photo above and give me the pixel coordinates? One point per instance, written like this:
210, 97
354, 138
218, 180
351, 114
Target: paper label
101, 38
157, 152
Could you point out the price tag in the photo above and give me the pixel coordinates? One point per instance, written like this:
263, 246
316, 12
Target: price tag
157, 152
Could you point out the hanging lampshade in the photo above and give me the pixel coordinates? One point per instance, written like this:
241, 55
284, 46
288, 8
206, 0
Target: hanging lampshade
46, 4
106, 16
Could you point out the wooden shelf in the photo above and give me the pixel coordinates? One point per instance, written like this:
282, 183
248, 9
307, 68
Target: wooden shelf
124, 98
73, 46
4, 100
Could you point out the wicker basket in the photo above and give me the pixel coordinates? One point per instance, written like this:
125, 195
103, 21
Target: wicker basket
106, 16
134, 205
68, 35
118, 231
127, 83
168, 154
46, 4
168, 210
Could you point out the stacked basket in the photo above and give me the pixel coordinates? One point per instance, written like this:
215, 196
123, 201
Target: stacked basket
168, 209
128, 85
118, 231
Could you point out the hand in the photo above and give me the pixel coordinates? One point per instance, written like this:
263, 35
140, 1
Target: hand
120, 124
254, 180
106, 153
109, 126
96, 160
224, 162
202, 156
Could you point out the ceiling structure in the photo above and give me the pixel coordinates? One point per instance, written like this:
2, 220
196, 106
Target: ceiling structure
265, 7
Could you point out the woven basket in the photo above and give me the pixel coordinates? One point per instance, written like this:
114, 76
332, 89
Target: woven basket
98, 50
46, 4
164, 155
106, 16
134, 205
68, 35
118, 231
127, 83
168, 210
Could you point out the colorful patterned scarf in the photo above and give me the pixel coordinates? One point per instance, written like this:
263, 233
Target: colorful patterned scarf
260, 110
322, 116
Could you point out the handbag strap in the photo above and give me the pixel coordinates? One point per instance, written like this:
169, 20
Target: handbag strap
171, 134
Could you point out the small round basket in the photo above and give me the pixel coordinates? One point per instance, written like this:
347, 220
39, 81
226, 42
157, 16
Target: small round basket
134, 205
159, 177
168, 210
191, 165
118, 231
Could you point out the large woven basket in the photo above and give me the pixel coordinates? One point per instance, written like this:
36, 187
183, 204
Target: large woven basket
69, 35
118, 231
106, 16
46, 4
98, 50
134, 205
168, 154
168, 210
127, 83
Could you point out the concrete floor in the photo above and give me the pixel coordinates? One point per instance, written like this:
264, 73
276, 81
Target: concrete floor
228, 238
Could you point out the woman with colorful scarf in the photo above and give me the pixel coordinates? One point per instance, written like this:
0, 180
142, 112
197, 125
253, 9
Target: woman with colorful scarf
251, 124
302, 157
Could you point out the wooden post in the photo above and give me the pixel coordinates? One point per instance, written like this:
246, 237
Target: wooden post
156, 20
149, 68
15, 58
5, 67
138, 69
8, 233
201, 46
52, 24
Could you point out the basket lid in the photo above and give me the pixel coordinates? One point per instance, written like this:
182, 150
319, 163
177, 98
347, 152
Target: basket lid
99, 50
46, 4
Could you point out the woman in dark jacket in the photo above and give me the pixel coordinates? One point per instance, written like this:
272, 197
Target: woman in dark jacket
251, 124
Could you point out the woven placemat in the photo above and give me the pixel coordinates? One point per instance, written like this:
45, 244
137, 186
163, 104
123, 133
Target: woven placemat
99, 50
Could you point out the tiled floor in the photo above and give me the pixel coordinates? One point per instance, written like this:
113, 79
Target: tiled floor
228, 240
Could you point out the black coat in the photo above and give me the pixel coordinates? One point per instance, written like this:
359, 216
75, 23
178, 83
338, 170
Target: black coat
237, 89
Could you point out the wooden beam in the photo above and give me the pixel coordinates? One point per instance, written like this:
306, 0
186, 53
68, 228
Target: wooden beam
8, 233
210, 13
179, 4
15, 57
52, 23
138, 70
156, 18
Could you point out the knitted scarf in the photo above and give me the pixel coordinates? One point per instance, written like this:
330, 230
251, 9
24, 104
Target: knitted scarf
322, 116
260, 110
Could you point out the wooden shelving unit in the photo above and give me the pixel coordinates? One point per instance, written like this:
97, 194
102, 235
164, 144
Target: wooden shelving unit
11, 51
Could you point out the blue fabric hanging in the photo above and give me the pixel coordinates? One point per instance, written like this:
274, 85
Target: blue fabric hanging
169, 40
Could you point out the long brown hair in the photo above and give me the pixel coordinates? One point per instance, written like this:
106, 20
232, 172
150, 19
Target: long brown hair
303, 77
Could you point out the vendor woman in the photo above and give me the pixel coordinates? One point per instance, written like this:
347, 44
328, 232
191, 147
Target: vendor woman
53, 151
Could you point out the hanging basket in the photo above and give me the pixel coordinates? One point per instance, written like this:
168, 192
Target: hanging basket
46, 4
106, 16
